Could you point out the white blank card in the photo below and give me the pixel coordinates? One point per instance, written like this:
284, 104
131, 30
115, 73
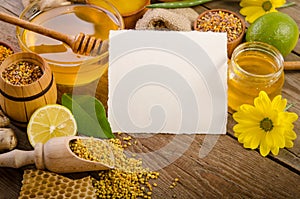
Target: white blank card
167, 82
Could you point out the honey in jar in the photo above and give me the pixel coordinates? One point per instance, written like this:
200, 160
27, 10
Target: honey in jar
254, 67
68, 67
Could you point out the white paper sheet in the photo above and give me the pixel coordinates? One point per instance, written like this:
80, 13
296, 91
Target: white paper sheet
167, 82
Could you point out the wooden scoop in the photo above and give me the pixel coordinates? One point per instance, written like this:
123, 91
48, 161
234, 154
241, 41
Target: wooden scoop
55, 155
82, 44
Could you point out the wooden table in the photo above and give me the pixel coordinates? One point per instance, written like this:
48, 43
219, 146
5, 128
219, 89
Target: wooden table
228, 171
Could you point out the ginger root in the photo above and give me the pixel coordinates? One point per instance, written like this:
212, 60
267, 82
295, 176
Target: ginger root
8, 139
4, 121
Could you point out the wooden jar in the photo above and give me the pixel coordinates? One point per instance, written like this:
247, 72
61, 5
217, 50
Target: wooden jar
19, 101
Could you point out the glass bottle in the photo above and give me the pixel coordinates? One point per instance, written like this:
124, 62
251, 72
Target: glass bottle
254, 67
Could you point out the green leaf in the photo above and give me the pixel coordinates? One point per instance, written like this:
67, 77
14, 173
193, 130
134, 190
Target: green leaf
90, 115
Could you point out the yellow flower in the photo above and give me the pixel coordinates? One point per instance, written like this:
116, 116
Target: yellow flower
265, 125
253, 9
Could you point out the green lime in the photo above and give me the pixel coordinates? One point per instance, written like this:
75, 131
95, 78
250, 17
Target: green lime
277, 29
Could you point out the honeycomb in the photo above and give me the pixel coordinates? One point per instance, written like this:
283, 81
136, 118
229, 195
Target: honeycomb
43, 184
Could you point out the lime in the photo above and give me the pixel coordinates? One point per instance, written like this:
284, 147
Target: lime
277, 29
50, 121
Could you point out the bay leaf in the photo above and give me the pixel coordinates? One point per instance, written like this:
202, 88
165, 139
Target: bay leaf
89, 114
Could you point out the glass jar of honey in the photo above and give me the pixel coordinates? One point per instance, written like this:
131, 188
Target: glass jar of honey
254, 67
69, 68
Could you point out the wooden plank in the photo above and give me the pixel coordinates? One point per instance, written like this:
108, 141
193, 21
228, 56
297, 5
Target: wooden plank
287, 157
14, 7
8, 35
10, 183
291, 88
292, 56
102, 90
8, 31
228, 171
291, 92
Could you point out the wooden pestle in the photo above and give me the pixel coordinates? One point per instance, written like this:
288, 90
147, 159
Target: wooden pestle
81, 43
55, 155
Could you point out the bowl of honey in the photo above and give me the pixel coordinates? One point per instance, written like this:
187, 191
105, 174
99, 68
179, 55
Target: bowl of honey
69, 68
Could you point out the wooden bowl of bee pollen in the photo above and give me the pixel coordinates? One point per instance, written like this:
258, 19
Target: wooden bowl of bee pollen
222, 20
5, 50
19, 101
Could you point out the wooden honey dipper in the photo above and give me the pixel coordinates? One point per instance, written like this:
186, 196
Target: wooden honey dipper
291, 65
55, 155
82, 44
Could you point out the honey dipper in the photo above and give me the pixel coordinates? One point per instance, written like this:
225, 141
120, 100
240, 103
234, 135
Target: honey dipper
82, 44
55, 155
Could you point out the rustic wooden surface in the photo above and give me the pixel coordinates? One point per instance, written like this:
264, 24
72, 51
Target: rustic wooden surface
228, 171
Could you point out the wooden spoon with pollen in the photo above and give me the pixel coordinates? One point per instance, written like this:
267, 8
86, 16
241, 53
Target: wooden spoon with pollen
56, 156
82, 44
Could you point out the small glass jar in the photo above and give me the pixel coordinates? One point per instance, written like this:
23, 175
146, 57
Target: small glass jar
254, 67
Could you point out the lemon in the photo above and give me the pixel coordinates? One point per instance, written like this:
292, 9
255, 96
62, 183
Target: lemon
50, 121
277, 29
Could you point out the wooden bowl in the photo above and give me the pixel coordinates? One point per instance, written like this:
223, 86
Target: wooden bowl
8, 47
18, 102
231, 45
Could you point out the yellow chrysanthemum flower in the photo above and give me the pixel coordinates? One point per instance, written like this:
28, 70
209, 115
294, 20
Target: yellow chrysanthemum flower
265, 125
253, 9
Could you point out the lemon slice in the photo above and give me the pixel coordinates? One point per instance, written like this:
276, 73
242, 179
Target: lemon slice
50, 121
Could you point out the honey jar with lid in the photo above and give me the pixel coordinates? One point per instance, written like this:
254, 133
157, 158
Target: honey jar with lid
254, 67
